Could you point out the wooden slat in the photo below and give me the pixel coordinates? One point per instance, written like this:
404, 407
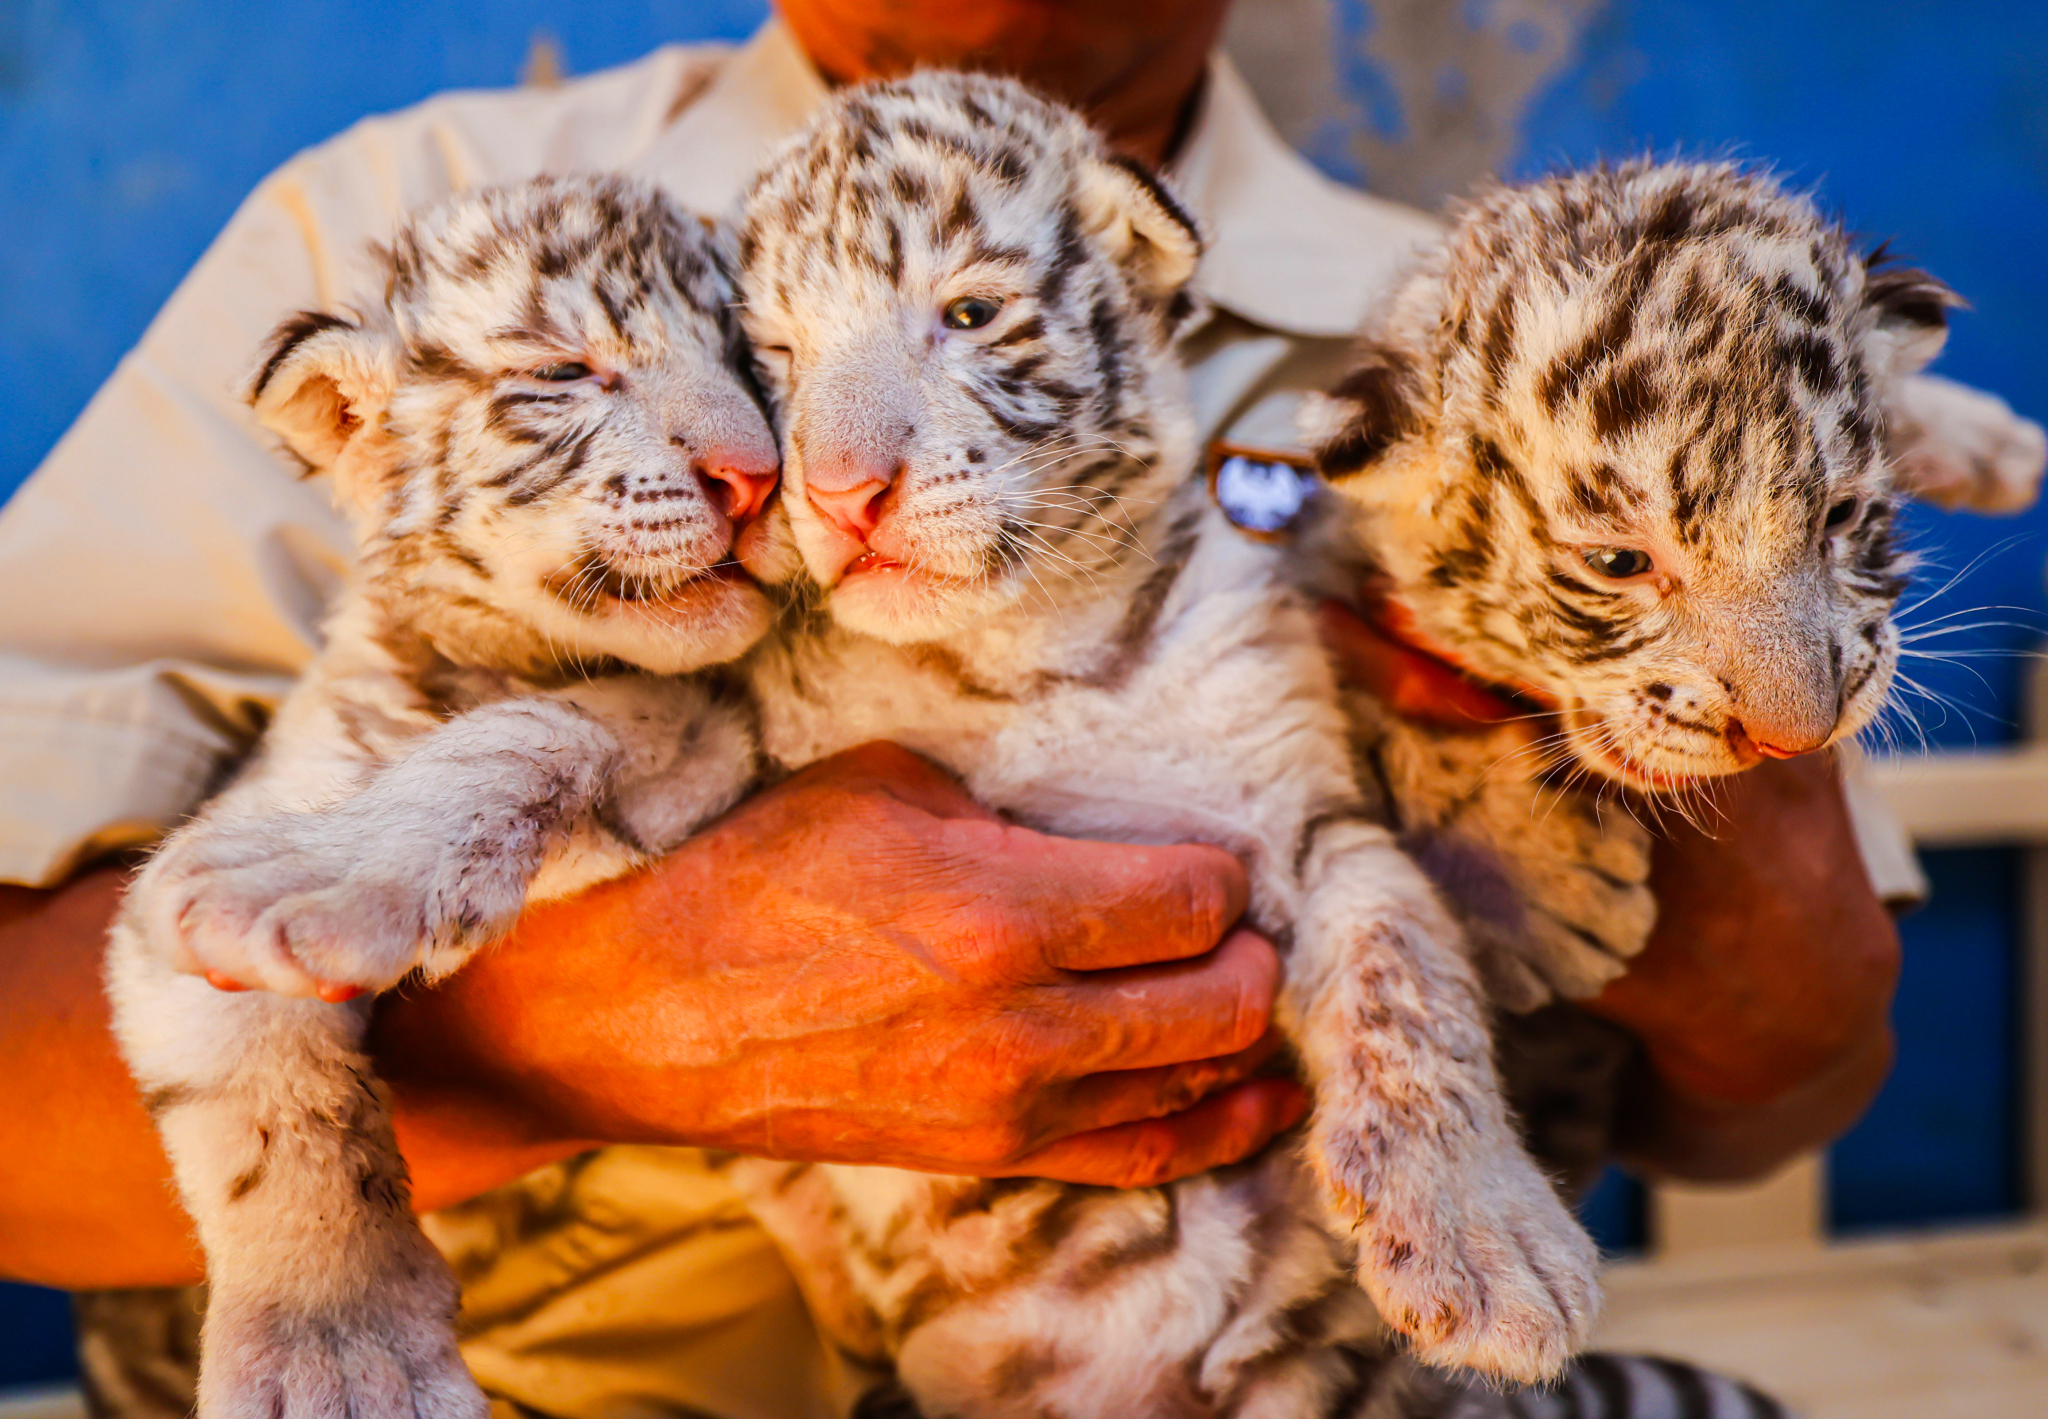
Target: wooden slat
1950, 1326
57, 1402
2033, 981
1977, 798
2034, 1026
1788, 1209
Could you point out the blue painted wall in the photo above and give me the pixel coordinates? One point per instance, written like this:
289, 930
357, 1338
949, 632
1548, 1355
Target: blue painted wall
35, 1336
128, 132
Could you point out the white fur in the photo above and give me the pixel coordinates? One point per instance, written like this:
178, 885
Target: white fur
1962, 448
466, 741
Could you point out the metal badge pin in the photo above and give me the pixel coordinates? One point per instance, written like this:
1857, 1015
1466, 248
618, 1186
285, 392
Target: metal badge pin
1261, 490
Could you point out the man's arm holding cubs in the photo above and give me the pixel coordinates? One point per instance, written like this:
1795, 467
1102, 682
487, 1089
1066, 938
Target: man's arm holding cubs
863, 965
859, 965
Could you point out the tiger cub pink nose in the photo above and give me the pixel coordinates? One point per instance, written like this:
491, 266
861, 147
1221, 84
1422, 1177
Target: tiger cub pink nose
850, 495
1785, 741
739, 480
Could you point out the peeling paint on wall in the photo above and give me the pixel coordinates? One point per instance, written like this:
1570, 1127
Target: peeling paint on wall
1414, 99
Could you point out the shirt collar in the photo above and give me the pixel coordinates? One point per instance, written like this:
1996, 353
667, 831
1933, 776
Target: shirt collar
1285, 247
757, 100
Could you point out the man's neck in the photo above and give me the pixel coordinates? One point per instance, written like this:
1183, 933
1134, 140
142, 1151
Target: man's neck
1135, 68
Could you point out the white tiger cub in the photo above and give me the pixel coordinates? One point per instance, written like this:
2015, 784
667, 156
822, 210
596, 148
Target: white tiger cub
1632, 441
546, 440
966, 306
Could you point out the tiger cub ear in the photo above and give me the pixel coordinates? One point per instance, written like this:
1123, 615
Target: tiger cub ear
1148, 233
323, 386
1949, 445
1366, 413
1912, 316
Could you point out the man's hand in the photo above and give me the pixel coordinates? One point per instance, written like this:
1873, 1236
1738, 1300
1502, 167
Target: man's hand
862, 965
1763, 997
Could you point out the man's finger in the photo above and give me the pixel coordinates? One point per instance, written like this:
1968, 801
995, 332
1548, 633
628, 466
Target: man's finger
1412, 684
1136, 1095
1225, 1129
1099, 906
1178, 1013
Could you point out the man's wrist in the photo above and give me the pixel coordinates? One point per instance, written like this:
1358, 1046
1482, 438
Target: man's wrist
458, 1144
461, 1056
466, 1121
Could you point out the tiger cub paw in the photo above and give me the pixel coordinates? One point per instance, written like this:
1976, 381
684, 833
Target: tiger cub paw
270, 905
265, 1360
1470, 1255
1552, 887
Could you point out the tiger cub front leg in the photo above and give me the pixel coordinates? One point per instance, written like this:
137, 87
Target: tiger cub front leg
430, 858
1551, 883
324, 1298
1461, 1240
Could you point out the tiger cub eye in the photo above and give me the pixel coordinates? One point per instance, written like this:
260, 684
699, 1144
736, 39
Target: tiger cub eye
970, 313
1618, 562
562, 373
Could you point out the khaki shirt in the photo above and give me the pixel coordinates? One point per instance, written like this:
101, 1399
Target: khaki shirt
163, 574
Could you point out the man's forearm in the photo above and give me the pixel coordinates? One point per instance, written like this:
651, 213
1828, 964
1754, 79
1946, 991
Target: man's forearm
86, 1198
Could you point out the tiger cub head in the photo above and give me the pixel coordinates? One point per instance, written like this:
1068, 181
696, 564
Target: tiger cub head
964, 307
1621, 442
545, 431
